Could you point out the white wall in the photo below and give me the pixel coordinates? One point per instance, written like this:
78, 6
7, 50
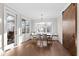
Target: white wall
0, 25
0, 18
77, 29
59, 20
18, 28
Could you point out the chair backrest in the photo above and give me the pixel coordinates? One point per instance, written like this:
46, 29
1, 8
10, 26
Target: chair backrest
39, 36
55, 37
44, 36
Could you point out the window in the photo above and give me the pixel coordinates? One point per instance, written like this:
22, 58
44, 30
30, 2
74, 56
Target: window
43, 27
25, 26
10, 28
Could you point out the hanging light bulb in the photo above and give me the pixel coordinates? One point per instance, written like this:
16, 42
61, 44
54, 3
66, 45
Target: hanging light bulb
42, 16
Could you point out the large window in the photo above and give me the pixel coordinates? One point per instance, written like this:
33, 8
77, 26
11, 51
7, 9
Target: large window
25, 26
43, 27
10, 29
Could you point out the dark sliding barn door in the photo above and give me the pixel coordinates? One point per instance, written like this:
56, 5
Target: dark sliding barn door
70, 28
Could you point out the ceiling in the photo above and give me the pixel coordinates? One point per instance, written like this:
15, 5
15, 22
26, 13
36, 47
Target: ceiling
34, 10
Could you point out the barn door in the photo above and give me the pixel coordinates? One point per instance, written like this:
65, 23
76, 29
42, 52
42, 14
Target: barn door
70, 28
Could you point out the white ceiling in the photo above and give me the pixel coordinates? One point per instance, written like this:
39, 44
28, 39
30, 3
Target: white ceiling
34, 10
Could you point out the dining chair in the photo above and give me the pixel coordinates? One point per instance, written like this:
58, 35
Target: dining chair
44, 40
49, 39
39, 40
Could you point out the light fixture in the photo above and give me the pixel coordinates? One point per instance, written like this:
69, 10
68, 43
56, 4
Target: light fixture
41, 16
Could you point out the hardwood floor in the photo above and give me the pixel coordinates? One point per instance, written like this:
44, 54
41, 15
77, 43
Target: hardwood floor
31, 49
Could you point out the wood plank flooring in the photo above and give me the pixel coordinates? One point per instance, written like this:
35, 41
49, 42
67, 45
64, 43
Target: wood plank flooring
31, 49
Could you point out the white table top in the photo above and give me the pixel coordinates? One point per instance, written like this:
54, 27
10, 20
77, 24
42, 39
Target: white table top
41, 33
